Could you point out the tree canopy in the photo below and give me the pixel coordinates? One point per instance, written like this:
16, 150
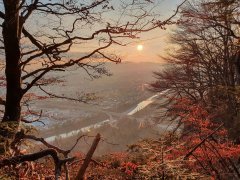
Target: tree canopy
205, 65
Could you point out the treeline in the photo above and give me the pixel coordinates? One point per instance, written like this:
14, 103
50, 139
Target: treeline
204, 65
203, 76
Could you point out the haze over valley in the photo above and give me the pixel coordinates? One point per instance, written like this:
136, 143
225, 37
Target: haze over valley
110, 113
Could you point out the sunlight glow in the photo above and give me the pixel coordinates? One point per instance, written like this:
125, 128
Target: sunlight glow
140, 47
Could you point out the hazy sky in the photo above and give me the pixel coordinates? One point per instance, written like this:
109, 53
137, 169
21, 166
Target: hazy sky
155, 42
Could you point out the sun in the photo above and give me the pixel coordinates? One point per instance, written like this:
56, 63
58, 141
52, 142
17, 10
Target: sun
139, 47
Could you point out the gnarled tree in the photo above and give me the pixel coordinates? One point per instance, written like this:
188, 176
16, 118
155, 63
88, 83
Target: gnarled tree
39, 36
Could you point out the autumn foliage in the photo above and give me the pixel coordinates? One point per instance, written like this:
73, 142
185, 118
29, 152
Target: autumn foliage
200, 149
215, 154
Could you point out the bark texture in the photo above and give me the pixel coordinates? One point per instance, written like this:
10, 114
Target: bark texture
12, 52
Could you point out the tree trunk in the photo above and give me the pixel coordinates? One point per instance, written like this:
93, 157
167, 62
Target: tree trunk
237, 67
12, 53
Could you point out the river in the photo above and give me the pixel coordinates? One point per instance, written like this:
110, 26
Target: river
131, 112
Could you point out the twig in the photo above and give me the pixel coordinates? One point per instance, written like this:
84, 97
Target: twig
35, 120
198, 145
20, 135
234, 167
